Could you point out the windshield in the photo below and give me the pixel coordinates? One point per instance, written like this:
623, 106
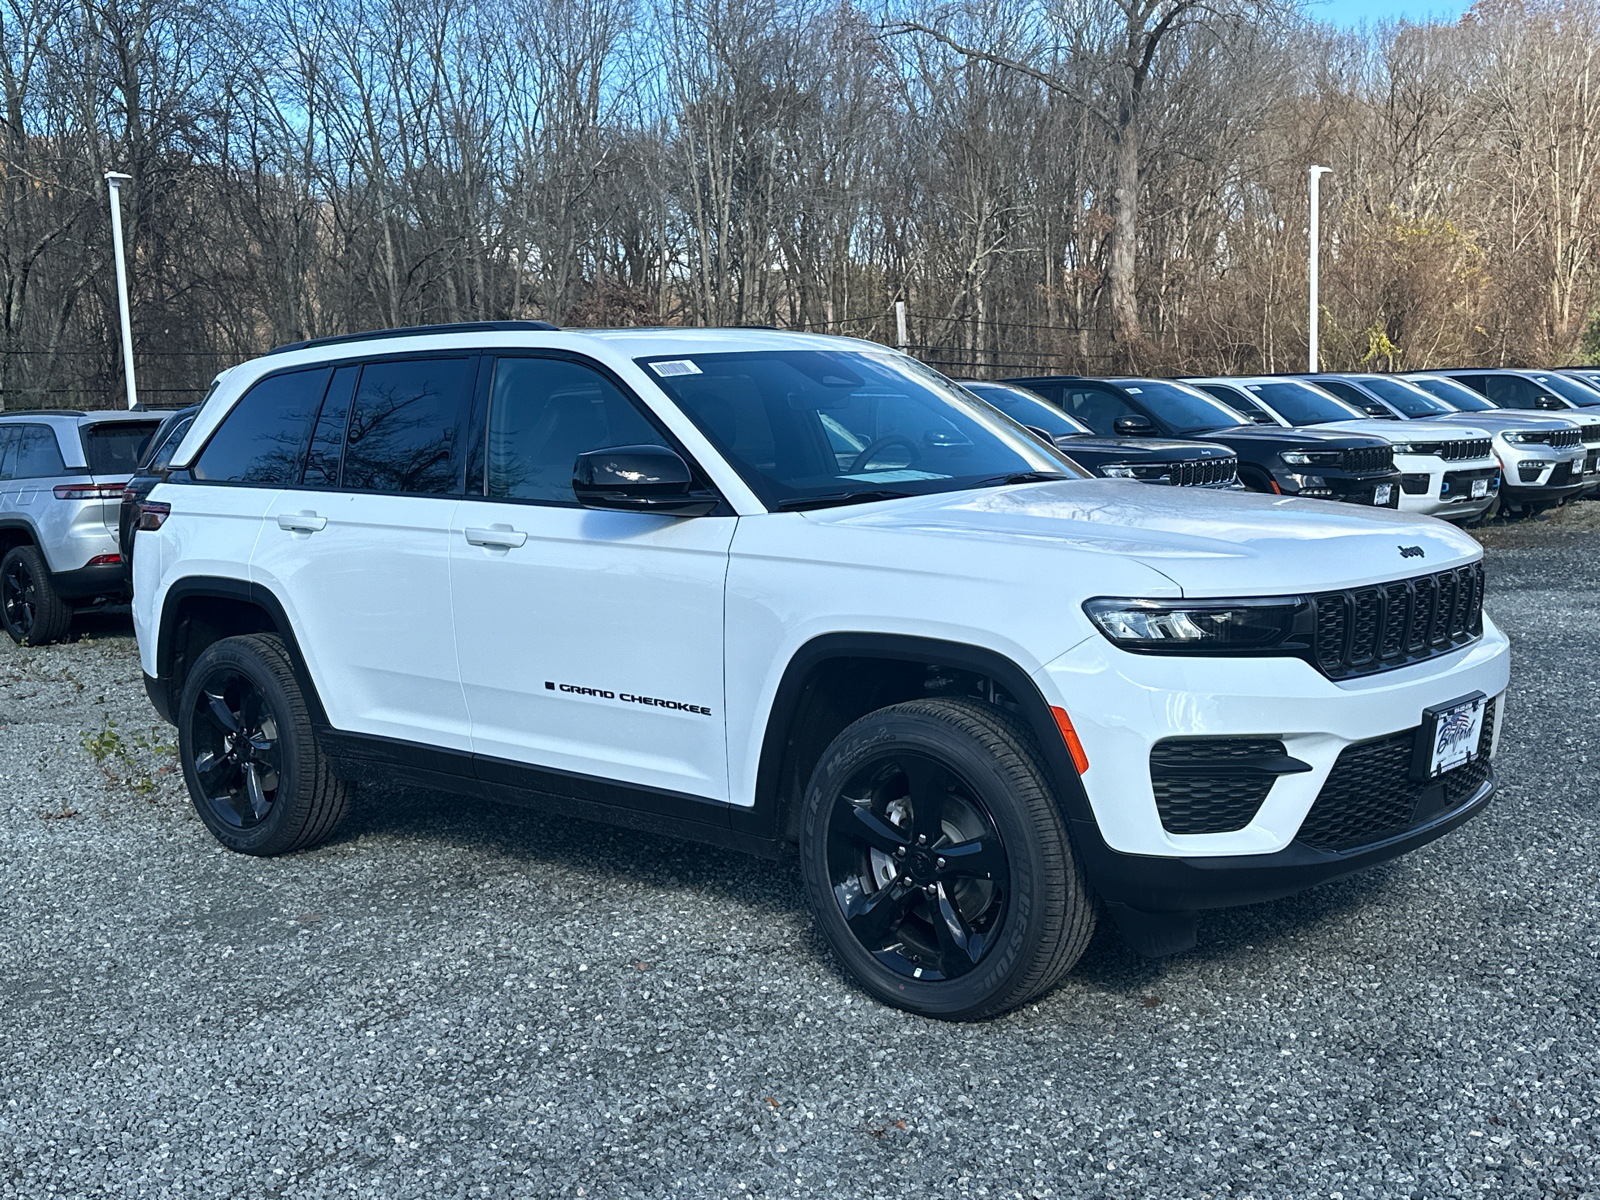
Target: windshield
114, 447
1185, 409
1568, 388
1026, 408
1457, 395
1303, 403
1407, 397
823, 424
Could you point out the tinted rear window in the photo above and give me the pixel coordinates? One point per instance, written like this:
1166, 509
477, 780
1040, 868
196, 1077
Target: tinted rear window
30, 452
263, 439
404, 423
114, 447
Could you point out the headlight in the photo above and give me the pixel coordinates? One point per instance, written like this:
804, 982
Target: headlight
1520, 439
1405, 448
1280, 623
1306, 458
1145, 471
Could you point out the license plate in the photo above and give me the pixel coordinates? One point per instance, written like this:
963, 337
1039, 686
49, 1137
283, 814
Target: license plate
1480, 488
1449, 735
1382, 494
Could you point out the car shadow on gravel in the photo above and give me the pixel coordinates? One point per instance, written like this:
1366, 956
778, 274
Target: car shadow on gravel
530, 835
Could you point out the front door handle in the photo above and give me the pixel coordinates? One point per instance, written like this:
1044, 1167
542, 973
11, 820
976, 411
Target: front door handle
301, 522
501, 537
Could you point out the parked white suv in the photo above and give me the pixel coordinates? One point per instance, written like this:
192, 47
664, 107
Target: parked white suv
760, 588
61, 478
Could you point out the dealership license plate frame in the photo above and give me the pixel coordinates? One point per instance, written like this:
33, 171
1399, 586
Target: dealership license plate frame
1448, 736
1382, 494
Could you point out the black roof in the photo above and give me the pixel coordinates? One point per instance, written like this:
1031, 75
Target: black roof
423, 330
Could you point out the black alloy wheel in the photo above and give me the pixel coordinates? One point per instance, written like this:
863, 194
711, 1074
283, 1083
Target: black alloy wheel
237, 754
937, 863
917, 866
30, 610
256, 772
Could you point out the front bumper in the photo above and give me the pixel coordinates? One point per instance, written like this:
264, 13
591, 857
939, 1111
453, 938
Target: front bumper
1322, 484
1122, 704
1434, 488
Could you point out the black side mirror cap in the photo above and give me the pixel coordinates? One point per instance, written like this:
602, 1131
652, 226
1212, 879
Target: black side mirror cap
643, 479
1549, 402
1133, 427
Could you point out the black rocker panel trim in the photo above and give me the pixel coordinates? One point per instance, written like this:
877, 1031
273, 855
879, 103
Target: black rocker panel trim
382, 761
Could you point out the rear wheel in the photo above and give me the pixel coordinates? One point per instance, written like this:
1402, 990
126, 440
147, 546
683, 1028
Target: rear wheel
256, 774
937, 863
30, 609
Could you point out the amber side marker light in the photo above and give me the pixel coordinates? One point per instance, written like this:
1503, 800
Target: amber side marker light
1069, 735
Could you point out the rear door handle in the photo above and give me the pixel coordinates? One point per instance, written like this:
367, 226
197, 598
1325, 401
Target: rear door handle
500, 537
303, 522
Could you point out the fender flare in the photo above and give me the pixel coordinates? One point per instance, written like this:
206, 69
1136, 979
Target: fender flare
218, 587
905, 648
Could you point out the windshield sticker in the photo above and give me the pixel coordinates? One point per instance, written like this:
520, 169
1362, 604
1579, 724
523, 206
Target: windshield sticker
678, 366
894, 476
1254, 387
1133, 391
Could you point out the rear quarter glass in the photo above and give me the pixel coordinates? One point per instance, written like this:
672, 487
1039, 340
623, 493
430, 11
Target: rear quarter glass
115, 447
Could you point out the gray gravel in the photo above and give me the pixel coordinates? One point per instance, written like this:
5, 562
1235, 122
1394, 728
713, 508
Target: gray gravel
457, 999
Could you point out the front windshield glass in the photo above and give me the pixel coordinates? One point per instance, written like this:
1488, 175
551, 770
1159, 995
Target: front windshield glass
1457, 395
802, 425
1407, 397
1026, 408
1303, 403
1185, 409
1568, 388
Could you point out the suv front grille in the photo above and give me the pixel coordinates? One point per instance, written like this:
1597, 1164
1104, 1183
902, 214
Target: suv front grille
1210, 785
1363, 630
1200, 472
1589, 434
1562, 438
1366, 460
1458, 451
1370, 795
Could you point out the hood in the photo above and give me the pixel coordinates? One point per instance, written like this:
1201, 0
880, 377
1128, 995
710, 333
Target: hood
1440, 428
1209, 543
1508, 419
1162, 449
1280, 435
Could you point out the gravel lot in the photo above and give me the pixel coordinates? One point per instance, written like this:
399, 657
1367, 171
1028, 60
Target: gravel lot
456, 999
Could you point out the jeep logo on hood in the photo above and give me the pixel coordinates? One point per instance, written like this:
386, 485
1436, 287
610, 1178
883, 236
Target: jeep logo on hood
1412, 552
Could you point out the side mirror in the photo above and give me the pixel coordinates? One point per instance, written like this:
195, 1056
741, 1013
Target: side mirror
644, 479
1549, 402
1133, 427
1042, 434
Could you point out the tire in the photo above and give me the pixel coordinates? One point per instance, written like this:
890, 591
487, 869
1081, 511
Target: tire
1255, 481
1006, 917
256, 774
30, 608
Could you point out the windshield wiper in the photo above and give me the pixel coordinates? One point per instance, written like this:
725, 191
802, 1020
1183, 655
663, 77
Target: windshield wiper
832, 499
1022, 477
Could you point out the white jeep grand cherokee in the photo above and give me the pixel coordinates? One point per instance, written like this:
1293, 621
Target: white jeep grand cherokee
759, 588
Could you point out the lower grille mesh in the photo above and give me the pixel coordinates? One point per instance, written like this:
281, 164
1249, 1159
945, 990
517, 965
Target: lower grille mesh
1201, 786
1370, 795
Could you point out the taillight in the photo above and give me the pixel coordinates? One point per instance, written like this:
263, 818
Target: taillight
105, 560
153, 514
89, 491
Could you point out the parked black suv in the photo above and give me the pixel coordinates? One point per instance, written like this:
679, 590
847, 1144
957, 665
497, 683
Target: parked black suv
152, 469
1152, 460
1355, 468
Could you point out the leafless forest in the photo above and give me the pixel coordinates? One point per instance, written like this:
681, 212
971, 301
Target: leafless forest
1074, 185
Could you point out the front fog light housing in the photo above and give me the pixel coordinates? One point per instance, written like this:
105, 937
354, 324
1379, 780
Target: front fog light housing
1280, 624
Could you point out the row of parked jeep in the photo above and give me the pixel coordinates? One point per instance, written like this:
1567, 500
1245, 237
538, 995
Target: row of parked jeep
1462, 445
1459, 444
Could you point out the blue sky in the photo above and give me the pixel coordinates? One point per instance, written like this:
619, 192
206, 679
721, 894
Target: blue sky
1353, 12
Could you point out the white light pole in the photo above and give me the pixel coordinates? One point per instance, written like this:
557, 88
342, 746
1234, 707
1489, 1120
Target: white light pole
115, 180
1316, 174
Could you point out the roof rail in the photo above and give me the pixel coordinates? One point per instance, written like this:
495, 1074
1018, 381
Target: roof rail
49, 412
422, 330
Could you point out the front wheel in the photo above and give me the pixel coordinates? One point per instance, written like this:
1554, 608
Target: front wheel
255, 772
937, 863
